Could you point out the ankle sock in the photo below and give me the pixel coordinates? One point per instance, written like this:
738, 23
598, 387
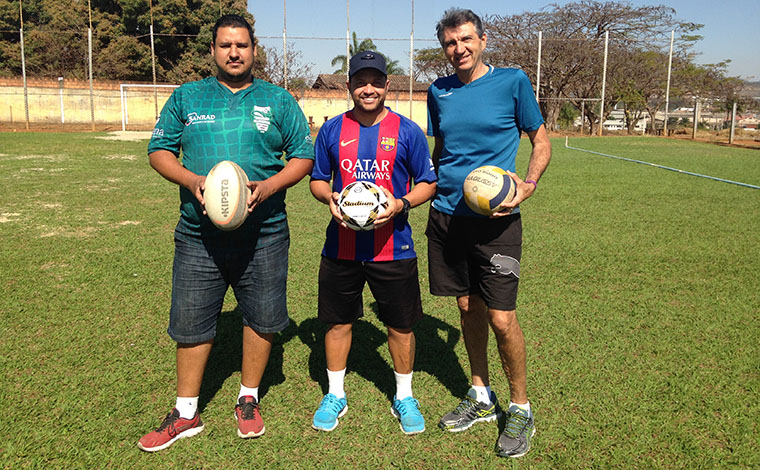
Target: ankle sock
335, 380
187, 406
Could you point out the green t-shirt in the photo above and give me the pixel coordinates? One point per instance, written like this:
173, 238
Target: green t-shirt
253, 127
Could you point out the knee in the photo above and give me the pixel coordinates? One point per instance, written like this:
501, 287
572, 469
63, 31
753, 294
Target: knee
503, 322
470, 305
400, 334
339, 330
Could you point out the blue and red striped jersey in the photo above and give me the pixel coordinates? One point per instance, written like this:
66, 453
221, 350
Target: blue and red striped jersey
393, 154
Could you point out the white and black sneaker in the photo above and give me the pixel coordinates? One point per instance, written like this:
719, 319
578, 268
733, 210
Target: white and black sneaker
514, 441
470, 411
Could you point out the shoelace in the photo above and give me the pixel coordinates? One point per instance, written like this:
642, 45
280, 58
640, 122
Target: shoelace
248, 410
465, 406
515, 424
332, 404
170, 419
402, 405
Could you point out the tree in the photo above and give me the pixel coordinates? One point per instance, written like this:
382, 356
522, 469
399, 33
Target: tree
572, 51
55, 38
353, 47
567, 116
392, 66
431, 63
299, 74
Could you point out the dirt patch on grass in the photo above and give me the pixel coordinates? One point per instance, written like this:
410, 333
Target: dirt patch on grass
120, 157
131, 136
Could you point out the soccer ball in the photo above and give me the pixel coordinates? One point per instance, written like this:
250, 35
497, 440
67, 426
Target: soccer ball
486, 188
360, 203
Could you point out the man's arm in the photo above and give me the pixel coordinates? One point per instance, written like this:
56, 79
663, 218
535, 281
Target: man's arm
420, 193
295, 169
167, 165
539, 160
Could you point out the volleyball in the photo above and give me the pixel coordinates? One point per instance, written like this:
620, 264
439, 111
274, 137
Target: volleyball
486, 188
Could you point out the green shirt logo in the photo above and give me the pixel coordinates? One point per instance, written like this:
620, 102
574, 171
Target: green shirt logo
262, 116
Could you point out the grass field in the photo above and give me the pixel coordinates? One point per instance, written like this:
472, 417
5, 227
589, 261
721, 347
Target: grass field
639, 302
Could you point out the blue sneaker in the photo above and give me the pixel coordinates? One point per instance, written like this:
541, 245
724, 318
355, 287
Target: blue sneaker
330, 409
408, 413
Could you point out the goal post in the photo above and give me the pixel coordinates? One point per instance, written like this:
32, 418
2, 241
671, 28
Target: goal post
138, 101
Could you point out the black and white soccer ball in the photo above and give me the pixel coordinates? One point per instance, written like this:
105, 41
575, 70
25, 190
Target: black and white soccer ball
360, 203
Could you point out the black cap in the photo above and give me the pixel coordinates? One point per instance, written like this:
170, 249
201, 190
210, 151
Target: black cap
366, 60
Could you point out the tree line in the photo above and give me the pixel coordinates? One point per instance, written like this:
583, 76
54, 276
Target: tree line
55, 43
572, 54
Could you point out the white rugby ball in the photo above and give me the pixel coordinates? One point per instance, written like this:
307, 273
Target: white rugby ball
226, 195
360, 203
487, 188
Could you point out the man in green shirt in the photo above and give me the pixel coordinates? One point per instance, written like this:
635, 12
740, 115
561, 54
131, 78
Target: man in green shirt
228, 117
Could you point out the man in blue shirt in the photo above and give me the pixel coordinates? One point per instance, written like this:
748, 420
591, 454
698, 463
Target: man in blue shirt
476, 117
371, 143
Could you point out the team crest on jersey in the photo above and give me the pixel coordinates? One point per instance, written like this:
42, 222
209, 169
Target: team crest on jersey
387, 143
262, 117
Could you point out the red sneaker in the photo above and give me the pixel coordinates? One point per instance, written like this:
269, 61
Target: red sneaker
172, 429
248, 416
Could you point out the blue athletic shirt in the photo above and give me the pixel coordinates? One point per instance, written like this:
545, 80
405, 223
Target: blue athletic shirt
392, 154
253, 127
480, 124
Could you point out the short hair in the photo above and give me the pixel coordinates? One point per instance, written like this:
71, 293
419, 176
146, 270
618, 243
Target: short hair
233, 21
456, 17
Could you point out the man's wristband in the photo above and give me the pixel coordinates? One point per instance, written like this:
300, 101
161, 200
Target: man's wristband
407, 206
533, 182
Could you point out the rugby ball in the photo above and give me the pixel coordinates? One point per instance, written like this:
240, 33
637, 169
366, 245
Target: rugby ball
360, 203
226, 195
486, 188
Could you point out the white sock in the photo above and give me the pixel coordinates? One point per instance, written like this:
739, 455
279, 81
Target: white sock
483, 394
187, 406
335, 381
248, 391
403, 385
522, 406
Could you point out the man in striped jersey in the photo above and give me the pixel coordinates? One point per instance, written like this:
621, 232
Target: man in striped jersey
371, 143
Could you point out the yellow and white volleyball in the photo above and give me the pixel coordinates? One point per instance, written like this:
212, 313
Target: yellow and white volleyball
486, 188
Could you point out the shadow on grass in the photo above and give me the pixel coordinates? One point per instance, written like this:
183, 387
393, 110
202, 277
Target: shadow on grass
227, 353
435, 355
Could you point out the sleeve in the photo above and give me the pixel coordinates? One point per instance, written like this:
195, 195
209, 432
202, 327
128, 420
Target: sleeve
322, 169
167, 135
296, 135
418, 153
433, 118
527, 111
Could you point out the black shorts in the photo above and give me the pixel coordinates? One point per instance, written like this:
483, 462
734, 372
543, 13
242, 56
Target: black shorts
394, 284
472, 255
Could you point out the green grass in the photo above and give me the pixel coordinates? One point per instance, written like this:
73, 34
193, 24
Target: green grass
639, 302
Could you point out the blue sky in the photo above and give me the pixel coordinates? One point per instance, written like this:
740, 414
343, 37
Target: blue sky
731, 28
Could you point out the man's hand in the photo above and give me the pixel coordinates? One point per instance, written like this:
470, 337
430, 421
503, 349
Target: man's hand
333, 205
260, 192
197, 185
523, 191
395, 207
